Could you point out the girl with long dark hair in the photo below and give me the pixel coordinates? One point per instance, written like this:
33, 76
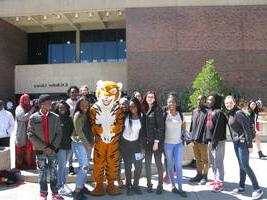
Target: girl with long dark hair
133, 144
154, 139
82, 143
64, 151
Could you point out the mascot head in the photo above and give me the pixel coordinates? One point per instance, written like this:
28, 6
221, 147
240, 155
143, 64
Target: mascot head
108, 92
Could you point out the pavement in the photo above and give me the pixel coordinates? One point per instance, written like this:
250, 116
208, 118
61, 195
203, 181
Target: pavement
30, 191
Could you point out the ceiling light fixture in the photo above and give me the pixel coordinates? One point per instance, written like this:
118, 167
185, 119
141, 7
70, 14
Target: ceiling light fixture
45, 17
76, 15
91, 14
107, 14
29, 18
58, 16
119, 13
17, 19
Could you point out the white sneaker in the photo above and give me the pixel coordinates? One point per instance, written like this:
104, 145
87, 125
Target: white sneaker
67, 188
63, 192
257, 194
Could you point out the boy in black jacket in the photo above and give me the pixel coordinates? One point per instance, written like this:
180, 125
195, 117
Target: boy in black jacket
197, 129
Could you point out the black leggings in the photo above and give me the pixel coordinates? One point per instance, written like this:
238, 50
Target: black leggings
128, 150
148, 161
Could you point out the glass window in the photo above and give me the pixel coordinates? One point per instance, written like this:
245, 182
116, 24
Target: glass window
103, 46
55, 47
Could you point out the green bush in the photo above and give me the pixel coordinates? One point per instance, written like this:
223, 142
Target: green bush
207, 81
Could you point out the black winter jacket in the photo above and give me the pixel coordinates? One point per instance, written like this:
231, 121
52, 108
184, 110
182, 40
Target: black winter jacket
67, 129
240, 126
215, 127
198, 124
154, 125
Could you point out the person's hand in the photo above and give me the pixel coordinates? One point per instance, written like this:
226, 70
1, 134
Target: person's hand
250, 150
143, 152
183, 125
155, 146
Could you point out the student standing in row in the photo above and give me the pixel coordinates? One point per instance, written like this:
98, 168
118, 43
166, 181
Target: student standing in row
82, 144
173, 143
200, 148
154, 139
241, 134
45, 132
133, 145
216, 136
64, 151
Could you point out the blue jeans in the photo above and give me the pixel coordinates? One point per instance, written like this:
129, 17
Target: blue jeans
83, 156
45, 163
63, 156
174, 154
242, 154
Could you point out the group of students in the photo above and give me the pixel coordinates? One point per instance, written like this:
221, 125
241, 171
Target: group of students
148, 130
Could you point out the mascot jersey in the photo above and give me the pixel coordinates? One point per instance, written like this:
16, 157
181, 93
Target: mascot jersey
107, 122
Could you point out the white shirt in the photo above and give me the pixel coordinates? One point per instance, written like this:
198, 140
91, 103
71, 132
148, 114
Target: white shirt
72, 104
131, 133
173, 129
7, 124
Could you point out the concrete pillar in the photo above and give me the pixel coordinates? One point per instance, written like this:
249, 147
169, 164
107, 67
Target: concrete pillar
78, 46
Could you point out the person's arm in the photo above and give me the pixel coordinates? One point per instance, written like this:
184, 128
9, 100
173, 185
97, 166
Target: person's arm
78, 123
21, 115
191, 124
58, 135
142, 134
160, 135
37, 142
245, 124
11, 124
219, 118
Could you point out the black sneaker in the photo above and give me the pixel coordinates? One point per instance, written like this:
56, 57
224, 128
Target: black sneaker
182, 193
78, 196
71, 170
149, 188
159, 189
203, 180
137, 190
129, 190
175, 190
239, 190
196, 179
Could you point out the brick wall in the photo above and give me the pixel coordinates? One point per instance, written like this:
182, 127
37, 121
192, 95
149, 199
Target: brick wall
13, 51
166, 47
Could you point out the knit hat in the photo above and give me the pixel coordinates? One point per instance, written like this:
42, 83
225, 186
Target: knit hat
44, 97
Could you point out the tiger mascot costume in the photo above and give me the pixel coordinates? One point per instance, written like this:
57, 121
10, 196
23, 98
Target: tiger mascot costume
107, 122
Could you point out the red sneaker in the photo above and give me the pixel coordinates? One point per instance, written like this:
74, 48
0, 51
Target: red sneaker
212, 183
166, 178
217, 188
57, 197
43, 195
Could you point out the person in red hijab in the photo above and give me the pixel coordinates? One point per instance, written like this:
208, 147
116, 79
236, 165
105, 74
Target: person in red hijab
25, 156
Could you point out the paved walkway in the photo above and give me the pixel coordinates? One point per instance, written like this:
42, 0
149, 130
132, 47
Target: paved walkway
30, 191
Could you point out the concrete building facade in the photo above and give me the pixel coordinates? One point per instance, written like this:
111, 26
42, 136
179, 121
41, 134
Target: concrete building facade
167, 41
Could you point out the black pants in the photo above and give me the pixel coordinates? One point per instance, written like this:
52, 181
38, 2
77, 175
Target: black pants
128, 150
5, 142
148, 161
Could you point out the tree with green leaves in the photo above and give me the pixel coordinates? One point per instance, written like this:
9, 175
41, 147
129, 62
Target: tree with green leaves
207, 81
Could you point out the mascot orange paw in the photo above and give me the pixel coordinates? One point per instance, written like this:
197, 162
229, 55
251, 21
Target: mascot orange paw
112, 189
99, 190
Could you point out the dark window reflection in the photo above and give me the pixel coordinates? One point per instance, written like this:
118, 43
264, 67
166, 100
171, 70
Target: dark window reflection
60, 47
